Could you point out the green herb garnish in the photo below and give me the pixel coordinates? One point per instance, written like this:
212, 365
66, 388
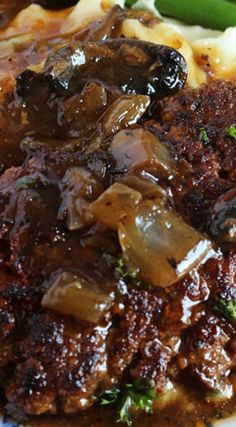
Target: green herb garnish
88, 158
227, 308
203, 136
109, 396
124, 412
126, 274
231, 131
134, 397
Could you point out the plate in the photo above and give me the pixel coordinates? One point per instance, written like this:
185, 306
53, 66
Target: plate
5, 423
230, 422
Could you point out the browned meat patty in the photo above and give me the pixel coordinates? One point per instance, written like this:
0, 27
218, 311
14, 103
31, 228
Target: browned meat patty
57, 158
57, 363
208, 165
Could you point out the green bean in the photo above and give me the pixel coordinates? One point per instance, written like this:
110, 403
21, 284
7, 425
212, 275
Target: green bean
215, 14
130, 3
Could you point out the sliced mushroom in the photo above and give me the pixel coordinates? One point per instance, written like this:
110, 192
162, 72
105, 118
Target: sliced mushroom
121, 66
108, 28
55, 4
132, 66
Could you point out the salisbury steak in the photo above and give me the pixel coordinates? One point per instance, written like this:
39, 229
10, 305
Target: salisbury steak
113, 167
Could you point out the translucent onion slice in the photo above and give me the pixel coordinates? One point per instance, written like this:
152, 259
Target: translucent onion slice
78, 108
146, 186
78, 297
78, 187
125, 111
140, 149
160, 244
114, 204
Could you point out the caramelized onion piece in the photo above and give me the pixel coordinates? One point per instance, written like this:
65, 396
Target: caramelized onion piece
146, 186
133, 66
79, 107
108, 28
160, 244
114, 204
140, 149
125, 111
76, 296
79, 113
223, 220
78, 188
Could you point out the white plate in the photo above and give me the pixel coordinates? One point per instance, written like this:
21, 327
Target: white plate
231, 422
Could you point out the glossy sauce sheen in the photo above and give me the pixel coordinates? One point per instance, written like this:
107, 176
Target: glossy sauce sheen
64, 171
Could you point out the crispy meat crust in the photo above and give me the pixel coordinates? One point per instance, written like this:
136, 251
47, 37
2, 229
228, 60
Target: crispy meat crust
55, 363
208, 168
50, 363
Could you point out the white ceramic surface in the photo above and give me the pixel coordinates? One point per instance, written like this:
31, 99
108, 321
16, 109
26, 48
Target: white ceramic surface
231, 422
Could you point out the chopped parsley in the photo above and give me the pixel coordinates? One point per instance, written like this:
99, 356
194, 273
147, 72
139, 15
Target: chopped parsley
231, 131
203, 136
88, 158
109, 396
228, 309
126, 274
134, 397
